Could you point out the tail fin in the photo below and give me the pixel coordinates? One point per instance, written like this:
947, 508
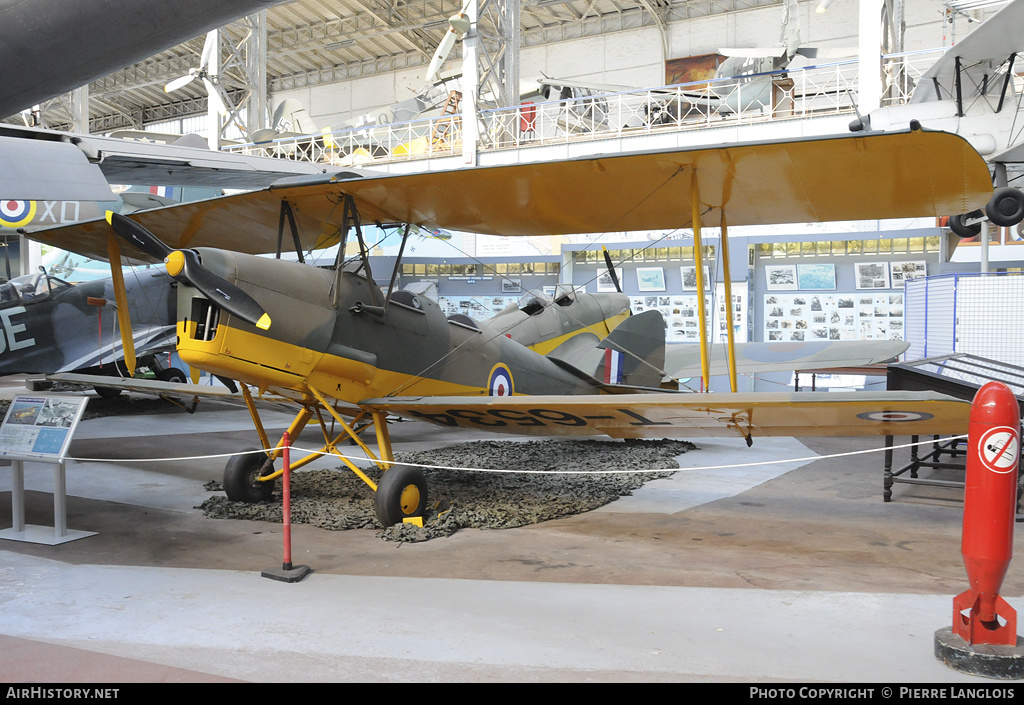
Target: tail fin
790, 27
291, 117
634, 353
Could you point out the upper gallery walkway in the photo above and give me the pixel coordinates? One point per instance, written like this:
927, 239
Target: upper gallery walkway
806, 101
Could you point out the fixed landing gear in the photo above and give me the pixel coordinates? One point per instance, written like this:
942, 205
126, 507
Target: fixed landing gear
1005, 209
241, 478
401, 494
171, 374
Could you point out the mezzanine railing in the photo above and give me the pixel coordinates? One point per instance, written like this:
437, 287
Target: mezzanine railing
828, 89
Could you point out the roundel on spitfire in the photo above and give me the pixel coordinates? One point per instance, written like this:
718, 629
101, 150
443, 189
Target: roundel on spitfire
15, 214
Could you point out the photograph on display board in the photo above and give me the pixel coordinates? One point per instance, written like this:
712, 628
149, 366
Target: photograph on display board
816, 277
605, 283
689, 278
780, 276
872, 275
511, 286
902, 271
650, 278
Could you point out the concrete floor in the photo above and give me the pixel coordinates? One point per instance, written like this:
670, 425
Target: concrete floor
797, 572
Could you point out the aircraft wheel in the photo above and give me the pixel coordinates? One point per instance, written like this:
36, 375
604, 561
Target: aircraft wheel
401, 493
172, 374
240, 479
956, 224
108, 392
1006, 208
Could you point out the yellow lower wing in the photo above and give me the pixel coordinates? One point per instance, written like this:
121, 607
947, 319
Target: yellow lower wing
671, 415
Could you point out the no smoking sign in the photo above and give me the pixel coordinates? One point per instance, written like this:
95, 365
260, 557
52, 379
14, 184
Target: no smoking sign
999, 449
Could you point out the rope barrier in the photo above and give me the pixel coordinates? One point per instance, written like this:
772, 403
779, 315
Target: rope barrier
525, 472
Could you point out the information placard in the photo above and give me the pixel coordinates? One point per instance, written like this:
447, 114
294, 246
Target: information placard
40, 427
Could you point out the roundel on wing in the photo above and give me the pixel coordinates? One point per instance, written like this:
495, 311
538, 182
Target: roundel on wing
500, 383
895, 416
15, 214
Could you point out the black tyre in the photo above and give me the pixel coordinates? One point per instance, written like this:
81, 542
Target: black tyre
241, 483
956, 224
172, 374
1006, 208
401, 494
108, 392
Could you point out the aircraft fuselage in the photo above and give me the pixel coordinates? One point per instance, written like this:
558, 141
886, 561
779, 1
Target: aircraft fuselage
349, 346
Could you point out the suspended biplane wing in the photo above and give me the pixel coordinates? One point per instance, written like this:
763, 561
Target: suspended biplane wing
670, 415
910, 173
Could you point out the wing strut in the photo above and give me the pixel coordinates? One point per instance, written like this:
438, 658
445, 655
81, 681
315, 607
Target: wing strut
121, 297
698, 254
731, 355
287, 212
398, 263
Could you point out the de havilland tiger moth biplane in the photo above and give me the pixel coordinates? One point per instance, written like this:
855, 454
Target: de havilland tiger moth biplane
349, 353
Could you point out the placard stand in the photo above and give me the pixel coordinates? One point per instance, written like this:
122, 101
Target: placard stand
39, 429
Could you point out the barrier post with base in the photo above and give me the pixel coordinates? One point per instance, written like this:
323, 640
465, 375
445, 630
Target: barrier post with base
983, 639
287, 573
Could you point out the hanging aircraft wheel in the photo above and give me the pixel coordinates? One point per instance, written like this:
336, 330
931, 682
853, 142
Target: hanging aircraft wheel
240, 479
956, 224
172, 374
1006, 208
401, 494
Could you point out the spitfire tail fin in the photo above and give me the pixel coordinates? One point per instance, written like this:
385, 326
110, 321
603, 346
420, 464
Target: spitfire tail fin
634, 353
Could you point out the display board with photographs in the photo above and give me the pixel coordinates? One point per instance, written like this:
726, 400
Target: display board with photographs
682, 319
40, 426
476, 307
902, 271
739, 315
872, 275
833, 316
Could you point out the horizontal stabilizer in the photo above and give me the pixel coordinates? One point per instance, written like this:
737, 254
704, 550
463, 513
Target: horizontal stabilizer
46, 170
827, 52
683, 360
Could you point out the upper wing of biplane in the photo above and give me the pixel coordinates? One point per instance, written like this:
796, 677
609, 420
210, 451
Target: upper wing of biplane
913, 173
674, 415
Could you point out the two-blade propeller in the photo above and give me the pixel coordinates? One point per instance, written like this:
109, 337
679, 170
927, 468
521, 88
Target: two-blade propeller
458, 25
184, 265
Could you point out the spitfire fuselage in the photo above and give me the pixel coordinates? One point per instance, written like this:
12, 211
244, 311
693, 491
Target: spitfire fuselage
331, 331
48, 325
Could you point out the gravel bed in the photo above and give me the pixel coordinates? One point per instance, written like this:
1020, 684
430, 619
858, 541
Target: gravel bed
338, 500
